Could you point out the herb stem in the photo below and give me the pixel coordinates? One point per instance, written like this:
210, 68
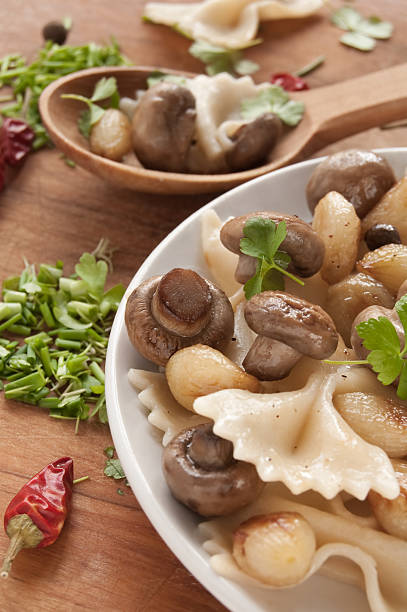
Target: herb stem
311, 66
292, 276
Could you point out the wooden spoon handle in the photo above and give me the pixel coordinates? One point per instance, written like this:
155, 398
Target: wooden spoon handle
343, 109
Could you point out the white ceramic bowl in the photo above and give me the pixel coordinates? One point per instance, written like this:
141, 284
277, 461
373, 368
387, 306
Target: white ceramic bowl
138, 447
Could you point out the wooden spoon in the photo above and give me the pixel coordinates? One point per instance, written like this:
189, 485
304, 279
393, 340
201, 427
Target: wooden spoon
332, 112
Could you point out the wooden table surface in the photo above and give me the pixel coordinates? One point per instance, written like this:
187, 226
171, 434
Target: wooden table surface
108, 557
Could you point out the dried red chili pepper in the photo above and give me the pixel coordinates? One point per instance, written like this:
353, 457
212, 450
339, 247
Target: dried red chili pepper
35, 516
288, 81
16, 139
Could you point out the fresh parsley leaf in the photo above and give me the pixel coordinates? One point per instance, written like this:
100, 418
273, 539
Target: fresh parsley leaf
375, 27
262, 238
157, 76
357, 40
275, 100
111, 299
386, 355
104, 88
113, 469
346, 18
220, 59
109, 452
84, 125
379, 334
386, 364
94, 274
360, 32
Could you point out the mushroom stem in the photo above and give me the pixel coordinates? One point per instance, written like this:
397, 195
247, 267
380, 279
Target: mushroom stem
208, 451
269, 359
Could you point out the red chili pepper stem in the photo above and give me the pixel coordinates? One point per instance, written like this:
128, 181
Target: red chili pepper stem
23, 533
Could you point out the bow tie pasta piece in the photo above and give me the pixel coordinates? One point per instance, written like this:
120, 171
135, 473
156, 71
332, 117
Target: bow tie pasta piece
298, 438
343, 546
164, 412
228, 23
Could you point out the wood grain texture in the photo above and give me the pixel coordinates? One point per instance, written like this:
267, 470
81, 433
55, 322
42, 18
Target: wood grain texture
109, 557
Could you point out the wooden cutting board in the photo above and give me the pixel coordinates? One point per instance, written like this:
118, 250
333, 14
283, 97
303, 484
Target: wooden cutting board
109, 558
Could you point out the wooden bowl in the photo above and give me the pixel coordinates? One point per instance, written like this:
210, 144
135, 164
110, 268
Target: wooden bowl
331, 113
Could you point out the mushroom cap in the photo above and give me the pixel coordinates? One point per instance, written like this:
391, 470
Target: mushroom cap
164, 127
304, 326
219, 491
253, 141
155, 342
362, 177
302, 243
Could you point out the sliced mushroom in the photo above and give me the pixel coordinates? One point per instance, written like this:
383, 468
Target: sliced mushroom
350, 296
301, 327
362, 177
203, 475
303, 245
164, 127
166, 313
276, 548
392, 513
379, 420
402, 290
253, 141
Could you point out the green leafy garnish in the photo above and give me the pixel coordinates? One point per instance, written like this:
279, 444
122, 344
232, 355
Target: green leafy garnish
220, 59
53, 61
262, 238
114, 469
275, 100
157, 76
65, 323
360, 32
105, 89
386, 355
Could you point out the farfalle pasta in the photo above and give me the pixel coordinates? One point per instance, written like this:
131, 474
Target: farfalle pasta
228, 23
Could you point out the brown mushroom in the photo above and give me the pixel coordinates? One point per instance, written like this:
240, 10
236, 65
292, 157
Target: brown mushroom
164, 127
203, 475
253, 141
166, 313
362, 177
303, 245
288, 328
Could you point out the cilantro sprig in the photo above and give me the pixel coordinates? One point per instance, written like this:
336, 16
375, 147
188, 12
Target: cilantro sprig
53, 61
221, 59
275, 100
360, 32
386, 355
262, 238
105, 90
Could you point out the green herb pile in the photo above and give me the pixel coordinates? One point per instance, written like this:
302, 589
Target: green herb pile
262, 238
65, 323
27, 81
